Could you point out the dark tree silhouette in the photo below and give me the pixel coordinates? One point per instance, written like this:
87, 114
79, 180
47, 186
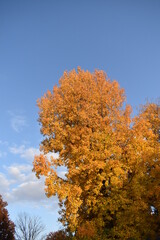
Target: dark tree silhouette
59, 235
28, 228
7, 227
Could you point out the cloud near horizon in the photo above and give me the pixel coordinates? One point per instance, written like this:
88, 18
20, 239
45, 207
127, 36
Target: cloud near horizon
20, 185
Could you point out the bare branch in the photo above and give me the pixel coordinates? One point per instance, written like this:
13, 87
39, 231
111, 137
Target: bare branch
28, 228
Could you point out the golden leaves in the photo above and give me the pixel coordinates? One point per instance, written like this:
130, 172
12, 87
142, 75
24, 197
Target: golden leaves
112, 161
41, 165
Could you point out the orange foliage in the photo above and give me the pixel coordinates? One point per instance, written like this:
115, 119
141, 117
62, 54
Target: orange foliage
109, 163
86, 230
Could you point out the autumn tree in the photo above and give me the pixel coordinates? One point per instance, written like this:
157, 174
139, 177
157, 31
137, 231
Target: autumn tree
87, 122
58, 235
7, 227
147, 144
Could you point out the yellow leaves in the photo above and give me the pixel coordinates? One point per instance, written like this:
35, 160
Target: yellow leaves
111, 165
73, 202
80, 120
51, 184
41, 165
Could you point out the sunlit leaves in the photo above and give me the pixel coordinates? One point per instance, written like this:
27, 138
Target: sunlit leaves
112, 161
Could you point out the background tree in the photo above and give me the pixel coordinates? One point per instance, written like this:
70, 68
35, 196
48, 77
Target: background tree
28, 228
58, 235
149, 121
87, 122
7, 227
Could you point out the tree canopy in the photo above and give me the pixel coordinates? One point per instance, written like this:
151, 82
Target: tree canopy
112, 162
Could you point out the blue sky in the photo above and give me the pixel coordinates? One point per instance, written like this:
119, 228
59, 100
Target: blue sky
39, 40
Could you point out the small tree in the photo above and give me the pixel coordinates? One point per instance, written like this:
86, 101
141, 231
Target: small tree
28, 228
7, 227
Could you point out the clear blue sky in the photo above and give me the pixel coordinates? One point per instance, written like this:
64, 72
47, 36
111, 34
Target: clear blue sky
38, 41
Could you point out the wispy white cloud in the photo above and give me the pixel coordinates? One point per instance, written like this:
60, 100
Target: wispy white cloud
20, 173
28, 191
5, 143
17, 150
18, 121
4, 183
21, 185
29, 153
26, 153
